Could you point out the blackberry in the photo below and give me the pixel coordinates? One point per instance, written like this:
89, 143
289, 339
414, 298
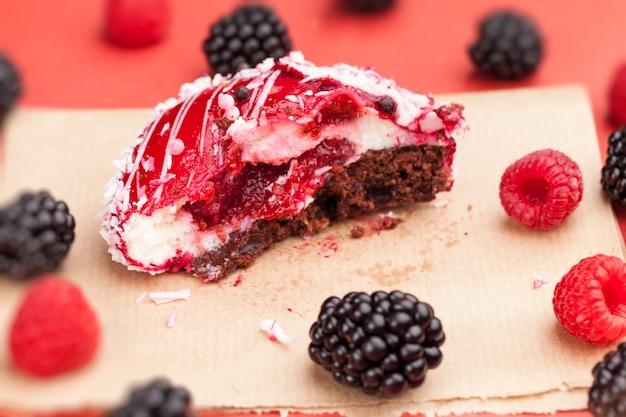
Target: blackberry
36, 232
370, 5
158, 398
10, 85
383, 343
607, 395
509, 46
245, 38
613, 174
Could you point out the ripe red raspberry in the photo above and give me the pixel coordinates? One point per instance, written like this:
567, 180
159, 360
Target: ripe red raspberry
590, 300
137, 22
541, 189
55, 329
617, 96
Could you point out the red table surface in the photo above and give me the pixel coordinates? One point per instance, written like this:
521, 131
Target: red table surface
65, 61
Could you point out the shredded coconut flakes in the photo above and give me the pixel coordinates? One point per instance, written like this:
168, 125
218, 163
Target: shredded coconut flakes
171, 319
539, 281
162, 297
141, 297
275, 332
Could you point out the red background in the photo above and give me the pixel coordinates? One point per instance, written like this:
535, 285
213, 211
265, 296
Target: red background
66, 62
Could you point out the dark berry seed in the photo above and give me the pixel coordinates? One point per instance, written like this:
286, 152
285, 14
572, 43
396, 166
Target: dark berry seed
400, 321
329, 325
374, 348
357, 360
433, 356
414, 334
245, 31
415, 370
359, 311
393, 384
393, 340
372, 377
375, 324
434, 330
251, 46
423, 314
352, 381
357, 336
405, 305
331, 342
347, 327
411, 351
316, 334
340, 354
391, 362
263, 31
314, 354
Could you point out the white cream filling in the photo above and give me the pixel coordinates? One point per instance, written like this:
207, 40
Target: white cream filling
155, 239
274, 143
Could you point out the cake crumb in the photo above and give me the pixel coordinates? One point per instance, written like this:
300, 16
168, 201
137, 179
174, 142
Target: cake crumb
357, 232
439, 204
382, 222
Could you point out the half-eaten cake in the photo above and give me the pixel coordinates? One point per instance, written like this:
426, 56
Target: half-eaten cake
237, 163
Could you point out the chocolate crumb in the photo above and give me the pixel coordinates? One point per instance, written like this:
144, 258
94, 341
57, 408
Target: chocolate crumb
357, 232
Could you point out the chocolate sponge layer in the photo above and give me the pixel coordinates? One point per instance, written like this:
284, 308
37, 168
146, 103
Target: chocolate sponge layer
378, 180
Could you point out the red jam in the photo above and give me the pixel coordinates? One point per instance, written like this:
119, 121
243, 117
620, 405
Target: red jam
266, 191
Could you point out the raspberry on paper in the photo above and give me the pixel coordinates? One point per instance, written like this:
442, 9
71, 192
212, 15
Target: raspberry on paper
590, 300
55, 329
541, 189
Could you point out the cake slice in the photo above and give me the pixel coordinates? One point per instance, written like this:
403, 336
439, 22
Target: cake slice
237, 163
